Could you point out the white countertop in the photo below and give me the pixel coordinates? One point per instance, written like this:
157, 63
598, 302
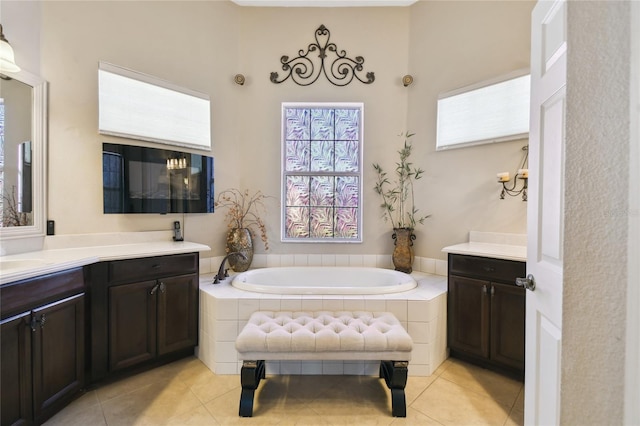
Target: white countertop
493, 245
28, 265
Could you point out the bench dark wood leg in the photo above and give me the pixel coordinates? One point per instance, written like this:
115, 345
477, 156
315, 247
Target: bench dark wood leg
395, 375
250, 375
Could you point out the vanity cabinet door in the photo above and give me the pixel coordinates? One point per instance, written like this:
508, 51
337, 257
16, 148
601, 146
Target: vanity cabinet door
177, 313
132, 324
58, 333
486, 312
508, 325
15, 366
469, 313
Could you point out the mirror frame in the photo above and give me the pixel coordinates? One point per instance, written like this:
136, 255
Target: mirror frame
39, 157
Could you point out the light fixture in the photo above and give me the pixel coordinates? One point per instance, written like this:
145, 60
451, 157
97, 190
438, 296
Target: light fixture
239, 79
7, 60
521, 175
176, 163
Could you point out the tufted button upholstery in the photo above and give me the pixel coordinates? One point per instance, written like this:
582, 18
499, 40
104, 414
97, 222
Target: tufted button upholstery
312, 335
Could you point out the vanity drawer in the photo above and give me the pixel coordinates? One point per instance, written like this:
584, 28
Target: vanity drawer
148, 268
500, 270
27, 294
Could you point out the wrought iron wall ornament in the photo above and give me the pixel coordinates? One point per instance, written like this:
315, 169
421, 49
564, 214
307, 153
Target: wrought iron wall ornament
340, 72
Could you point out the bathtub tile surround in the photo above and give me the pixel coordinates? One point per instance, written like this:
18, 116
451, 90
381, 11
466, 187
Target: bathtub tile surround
420, 264
421, 311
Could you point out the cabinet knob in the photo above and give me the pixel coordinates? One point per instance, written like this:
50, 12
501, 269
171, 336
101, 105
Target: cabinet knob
154, 289
529, 282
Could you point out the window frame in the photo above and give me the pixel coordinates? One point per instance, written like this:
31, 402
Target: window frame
284, 173
491, 111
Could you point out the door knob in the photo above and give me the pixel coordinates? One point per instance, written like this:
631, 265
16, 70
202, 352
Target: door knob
529, 283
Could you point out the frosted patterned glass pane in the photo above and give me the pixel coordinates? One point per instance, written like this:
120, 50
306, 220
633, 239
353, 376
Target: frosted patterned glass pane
322, 124
347, 124
346, 191
322, 171
297, 222
297, 124
347, 156
321, 222
322, 156
322, 190
297, 157
297, 191
346, 224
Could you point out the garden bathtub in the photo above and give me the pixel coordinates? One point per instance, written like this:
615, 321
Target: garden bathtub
324, 280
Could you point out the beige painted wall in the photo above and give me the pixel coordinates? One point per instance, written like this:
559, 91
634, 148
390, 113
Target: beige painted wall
455, 44
201, 45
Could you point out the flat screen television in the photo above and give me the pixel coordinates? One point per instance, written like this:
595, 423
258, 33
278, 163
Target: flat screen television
149, 180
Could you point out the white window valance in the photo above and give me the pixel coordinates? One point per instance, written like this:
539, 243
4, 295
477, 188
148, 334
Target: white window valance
139, 106
492, 111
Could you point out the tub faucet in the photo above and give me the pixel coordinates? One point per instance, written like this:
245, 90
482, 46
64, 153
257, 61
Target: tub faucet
224, 273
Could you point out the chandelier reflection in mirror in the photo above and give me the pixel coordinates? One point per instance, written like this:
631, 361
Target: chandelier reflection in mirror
522, 175
304, 70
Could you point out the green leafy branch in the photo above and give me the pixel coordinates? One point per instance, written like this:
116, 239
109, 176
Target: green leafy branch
398, 197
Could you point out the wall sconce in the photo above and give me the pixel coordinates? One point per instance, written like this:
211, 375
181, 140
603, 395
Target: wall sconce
239, 79
407, 80
7, 60
521, 175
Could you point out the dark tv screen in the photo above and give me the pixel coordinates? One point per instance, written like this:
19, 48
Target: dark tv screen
149, 180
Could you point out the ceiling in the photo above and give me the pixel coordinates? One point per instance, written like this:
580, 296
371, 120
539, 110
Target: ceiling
323, 3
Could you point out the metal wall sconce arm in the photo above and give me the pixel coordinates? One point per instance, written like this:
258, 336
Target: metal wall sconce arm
522, 175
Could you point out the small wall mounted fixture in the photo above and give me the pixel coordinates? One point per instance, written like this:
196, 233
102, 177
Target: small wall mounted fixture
522, 175
7, 59
407, 80
239, 79
305, 70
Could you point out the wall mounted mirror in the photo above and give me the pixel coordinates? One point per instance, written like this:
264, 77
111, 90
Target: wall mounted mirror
23, 145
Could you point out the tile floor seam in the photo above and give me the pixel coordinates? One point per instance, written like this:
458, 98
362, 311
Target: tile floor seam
104, 417
423, 391
480, 393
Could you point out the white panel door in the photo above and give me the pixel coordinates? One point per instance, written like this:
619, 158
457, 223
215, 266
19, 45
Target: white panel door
545, 213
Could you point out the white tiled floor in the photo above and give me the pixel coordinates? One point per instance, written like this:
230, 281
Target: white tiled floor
186, 392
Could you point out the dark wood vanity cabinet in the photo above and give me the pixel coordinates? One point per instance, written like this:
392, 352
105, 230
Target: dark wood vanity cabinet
43, 346
486, 312
143, 311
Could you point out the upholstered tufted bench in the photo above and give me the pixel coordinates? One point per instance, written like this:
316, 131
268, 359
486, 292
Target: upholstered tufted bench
324, 335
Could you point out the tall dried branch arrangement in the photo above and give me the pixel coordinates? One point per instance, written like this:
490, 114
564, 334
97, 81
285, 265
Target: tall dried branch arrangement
243, 211
11, 216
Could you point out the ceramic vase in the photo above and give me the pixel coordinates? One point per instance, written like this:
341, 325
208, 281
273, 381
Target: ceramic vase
403, 249
240, 240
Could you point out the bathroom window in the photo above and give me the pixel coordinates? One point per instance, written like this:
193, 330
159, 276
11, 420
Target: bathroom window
322, 172
140, 106
491, 111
